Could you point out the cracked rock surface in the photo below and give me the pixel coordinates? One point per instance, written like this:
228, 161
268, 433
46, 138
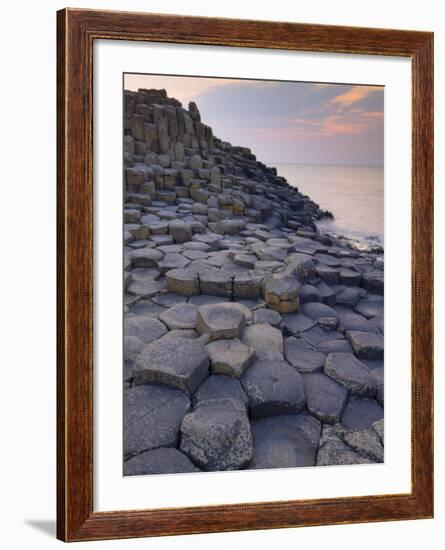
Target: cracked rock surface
251, 339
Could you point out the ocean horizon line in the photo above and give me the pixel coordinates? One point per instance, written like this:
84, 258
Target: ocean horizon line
273, 163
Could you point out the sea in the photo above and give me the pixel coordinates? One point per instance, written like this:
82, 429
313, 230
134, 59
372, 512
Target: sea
354, 195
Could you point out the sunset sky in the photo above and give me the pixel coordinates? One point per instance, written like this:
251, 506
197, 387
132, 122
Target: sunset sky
296, 122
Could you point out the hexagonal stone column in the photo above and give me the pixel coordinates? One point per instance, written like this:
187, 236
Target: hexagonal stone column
182, 281
223, 320
326, 399
159, 461
230, 357
216, 435
180, 363
281, 293
366, 345
285, 441
266, 340
347, 370
273, 388
152, 416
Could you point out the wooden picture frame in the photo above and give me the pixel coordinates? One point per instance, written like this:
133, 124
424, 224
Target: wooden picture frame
77, 31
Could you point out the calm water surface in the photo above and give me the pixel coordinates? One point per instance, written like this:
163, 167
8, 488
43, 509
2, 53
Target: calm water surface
354, 194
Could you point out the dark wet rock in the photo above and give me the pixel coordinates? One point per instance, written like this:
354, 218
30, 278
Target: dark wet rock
361, 413
159, 461
366, 345
349, 320
273, 388
152, 416
216, 435
285, 441
219, 386
328, 274
334, 452
309, 293
295, 323
316, 335
266, 340
180, 316
328, 296
369, 308
180, 363
301, 266
326, 399
315, 311
347, 370
348, 297
230, 357
302, 356
350, 278
146, 329
365, 442
182, 281
334, 346
373, 281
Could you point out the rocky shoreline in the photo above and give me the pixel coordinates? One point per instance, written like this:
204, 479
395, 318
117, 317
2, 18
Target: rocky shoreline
251, 339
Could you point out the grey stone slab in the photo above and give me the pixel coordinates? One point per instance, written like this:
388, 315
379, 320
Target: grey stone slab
315, 311
285, 441
302, 356
145, 257
365, 442
159, 461
326, 399
222, 320
180, 363
230, 357
180, 316
273, 388
182, 281
334, 452
268, 316
334, 346
219, 386
147, 329
347, 370
216, 283
295, 323
366, 345
266, 340
369, 308
152, 416
216, 435
379, 428
361, 413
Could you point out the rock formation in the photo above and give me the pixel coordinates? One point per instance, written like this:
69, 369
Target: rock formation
251, 340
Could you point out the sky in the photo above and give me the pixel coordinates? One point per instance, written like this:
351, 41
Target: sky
294, 122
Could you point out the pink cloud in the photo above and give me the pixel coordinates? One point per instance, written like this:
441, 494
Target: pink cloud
355, 94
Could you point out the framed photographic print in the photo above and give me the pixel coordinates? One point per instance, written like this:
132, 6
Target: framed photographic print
245, 228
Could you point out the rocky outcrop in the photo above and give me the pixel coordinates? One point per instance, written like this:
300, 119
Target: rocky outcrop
251, 340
